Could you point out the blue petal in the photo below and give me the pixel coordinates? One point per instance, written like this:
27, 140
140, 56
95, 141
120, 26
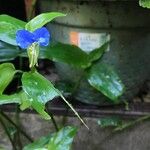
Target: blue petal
24, 38
42, 36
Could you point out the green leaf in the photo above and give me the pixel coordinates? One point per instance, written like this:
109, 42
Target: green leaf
144, 3
38, 144
40, 108
39, 91
8, 99
104, 79
63, 139
69, 54
38, 87
8, 28
26, 102
7, 72
42, 19
8, 52
98, 52
109, 121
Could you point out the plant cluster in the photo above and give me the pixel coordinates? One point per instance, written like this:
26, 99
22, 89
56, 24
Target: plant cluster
31, 39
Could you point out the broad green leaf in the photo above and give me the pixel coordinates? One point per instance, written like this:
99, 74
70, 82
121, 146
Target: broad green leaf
8, 28
69, 54
144, 3
98, 52
42, 19
39, 91
63, 139
38, 87
7, 72
8, 99
8, 52
38, 144
105, 79
109, 121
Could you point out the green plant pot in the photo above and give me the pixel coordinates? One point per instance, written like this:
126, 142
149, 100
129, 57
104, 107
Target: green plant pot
125, 23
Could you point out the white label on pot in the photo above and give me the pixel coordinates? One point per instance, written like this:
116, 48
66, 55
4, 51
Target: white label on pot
89, 41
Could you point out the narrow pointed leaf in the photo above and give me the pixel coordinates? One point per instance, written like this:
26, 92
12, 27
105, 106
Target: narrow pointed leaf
63, 139
42, 19
7, 72
8, 28
98, 52
68, 54
40, 108
105, 79
8, 99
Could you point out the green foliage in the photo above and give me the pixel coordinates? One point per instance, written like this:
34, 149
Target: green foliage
41, 20
8, 52
36, 90
61, 140
98, 52
8, 28
144, 3
110, 121
69, 54
39, 144
38, 87
102, 77
7, 72
8, 99
39, 91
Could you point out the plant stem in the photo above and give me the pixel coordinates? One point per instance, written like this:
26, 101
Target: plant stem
18, 129
23, 133
7, 132
54, 121
127, 125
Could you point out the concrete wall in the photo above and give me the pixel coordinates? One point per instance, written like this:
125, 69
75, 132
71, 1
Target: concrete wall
135, 138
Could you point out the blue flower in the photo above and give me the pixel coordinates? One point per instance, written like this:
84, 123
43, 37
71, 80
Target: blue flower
25, 38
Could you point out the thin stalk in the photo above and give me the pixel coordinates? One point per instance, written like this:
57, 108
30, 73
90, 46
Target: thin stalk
22, 132
73, 93
7, 132
76, 113
127, 125
54, 121
18, 129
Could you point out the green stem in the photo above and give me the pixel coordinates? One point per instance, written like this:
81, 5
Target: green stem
127, 125
22, 132
7, 132
76, 113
